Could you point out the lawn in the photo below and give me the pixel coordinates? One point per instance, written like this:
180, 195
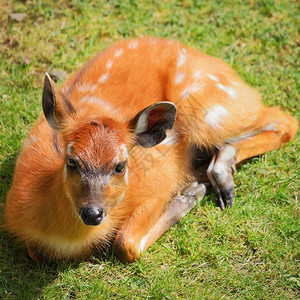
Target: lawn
250, 251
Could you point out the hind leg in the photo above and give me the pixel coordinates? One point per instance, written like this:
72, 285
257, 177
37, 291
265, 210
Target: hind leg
220, 174
276, 130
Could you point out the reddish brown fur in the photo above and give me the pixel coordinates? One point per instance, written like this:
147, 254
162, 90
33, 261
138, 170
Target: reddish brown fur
107, 93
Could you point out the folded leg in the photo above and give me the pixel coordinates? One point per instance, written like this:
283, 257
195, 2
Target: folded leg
138, 233
276, 129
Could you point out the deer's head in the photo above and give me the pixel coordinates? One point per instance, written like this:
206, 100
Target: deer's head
97, 147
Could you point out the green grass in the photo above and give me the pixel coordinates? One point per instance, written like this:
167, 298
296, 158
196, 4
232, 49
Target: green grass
248, 252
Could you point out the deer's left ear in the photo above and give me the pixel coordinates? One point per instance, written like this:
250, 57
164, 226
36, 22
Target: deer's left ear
150, 124
56, 106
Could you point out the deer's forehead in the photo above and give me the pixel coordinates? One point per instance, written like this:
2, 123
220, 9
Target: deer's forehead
97, 144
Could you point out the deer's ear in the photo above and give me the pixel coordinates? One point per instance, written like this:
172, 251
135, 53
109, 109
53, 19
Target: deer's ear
150, 124
56, 105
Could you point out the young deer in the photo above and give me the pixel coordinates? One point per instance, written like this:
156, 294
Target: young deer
108, 159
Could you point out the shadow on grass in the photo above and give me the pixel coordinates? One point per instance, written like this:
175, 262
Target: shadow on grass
19, 277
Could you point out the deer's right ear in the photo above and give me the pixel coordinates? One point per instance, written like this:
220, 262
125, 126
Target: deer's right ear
56, 105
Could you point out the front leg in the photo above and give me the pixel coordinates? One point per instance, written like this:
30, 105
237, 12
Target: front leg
147, 224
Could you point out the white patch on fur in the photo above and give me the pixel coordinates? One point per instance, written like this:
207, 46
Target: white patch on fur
133, 44
109, 64
193, 88
116, 159
126, 176
143, 244
68, 151
229, 90
221, 87
124, 151
31, 139
179, 78
170, 138
270, 127
235, 83
86, 86
215, 115
213, 77
181, 58
119, 52
103, 77
98, 101
198, 73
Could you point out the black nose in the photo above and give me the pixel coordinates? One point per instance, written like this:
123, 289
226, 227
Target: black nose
92, 215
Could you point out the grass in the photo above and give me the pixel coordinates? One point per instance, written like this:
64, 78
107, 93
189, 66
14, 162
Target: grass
248, 252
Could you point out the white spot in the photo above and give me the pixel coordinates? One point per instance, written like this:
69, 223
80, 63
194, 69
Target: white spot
109, 64
98, 101
170, 138
119, 52
235, 83
270, 127
221, 87
124, 151
229, 90
181, 58
193, 88
103, 77
122, 155
143, 244
132, 44
126, 175
214, 116
213, 77
68, 151
197, 73
179, 78
86, 86
30, 139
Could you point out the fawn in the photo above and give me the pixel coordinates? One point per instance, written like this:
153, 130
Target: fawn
115, 156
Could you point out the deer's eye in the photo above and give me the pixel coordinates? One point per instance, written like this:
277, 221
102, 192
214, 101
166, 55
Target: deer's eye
71, 163
120, 167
